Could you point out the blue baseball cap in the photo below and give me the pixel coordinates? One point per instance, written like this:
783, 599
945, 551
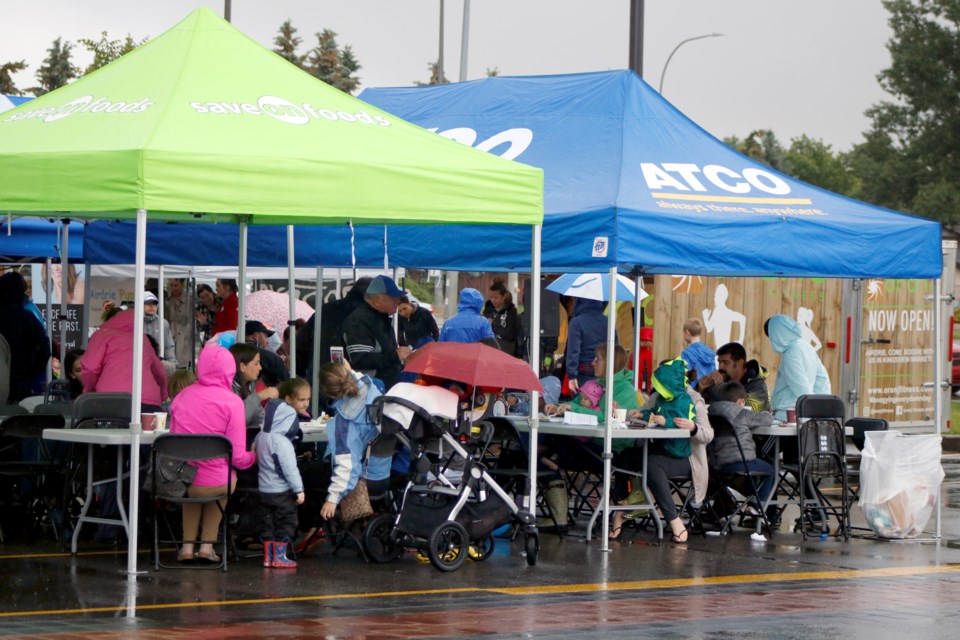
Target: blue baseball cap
385, 285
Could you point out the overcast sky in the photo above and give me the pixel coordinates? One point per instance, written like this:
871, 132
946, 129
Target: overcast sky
796, 67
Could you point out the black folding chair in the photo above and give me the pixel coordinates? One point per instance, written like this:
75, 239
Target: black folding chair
741, 487
821, 448
187, 448
102, 411
26, 458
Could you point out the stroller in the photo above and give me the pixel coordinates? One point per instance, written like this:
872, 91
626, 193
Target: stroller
443, 512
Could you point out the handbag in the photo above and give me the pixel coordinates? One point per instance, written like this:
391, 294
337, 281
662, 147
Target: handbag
356, 504
173, 478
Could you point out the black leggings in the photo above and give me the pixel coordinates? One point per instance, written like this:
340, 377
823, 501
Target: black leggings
660, 467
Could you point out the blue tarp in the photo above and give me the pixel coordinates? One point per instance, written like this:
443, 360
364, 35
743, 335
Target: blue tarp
31, 239
630, 181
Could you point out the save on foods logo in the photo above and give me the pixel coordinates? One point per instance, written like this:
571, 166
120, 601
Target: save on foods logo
83, 104
287, 112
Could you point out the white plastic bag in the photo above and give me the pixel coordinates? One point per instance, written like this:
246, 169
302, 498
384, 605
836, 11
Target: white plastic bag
900, 476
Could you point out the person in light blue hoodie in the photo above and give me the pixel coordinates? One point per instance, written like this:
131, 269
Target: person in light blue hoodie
800, 371
699, 357
468, 325
349, 434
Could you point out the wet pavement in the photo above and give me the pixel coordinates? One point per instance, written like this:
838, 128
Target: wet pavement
710, 587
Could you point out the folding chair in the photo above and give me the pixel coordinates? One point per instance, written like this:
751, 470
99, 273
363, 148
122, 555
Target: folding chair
742, 486
101, 411
26, 458
821, 447
12, 410
182, 447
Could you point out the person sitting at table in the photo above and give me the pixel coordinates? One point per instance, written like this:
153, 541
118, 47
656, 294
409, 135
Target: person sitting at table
244, 384
732, 364
210, 407
723, 451
564, 454
73, 371
108, 363
673, 408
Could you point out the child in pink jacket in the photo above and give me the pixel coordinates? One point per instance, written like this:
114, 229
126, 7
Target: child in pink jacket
210, 407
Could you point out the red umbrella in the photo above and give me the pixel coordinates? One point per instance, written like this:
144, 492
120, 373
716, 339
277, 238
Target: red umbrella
473, 363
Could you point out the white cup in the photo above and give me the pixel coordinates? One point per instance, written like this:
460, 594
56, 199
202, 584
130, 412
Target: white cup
620, 415
160, 421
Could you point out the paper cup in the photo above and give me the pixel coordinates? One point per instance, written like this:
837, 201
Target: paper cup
148, 421
160, 421
792, 416
620, 415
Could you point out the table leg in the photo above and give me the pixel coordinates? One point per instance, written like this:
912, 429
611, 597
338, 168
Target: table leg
86, 501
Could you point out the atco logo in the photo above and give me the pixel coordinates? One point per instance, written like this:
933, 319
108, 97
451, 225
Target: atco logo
690, 177
516, 140
83, 104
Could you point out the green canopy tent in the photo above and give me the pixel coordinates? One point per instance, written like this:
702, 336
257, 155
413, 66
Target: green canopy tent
204, 124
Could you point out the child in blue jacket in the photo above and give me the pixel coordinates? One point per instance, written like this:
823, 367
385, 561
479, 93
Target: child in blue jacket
280, 484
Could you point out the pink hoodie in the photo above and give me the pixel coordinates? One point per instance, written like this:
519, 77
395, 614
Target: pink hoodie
108, 361
209, 406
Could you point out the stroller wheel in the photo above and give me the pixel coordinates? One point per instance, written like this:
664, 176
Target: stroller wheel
378, 539
447, 547
532, 545
482, 550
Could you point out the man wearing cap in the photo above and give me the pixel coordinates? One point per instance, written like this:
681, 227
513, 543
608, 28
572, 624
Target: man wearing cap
368, 333
153, 324
272, 369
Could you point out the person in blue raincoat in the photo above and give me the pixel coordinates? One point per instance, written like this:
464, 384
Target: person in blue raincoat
800, 371
468, 325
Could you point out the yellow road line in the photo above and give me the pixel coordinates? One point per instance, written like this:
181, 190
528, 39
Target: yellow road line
639, 585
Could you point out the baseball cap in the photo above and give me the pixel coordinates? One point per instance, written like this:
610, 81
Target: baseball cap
253, 326
148, 297
386, 285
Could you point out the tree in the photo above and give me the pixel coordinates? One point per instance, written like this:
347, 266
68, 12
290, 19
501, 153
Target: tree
56, 70
814, 162
327, 62
909, 160
436, 76
761, 145
106, 50
7, 85
286, 44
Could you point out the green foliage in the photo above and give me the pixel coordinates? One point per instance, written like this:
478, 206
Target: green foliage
909, 158
286, 44
7, 85
335, 67
809, 160
56, 70
493, 73
437, 76
106, 50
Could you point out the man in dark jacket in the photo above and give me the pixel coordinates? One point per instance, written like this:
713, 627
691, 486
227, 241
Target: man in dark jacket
273, 370
417, 325
732, 365
333, 313
371, 346
29, 348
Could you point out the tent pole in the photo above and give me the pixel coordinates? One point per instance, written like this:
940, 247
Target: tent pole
64, 288
608, 407
637, 374
534, 333
938, 376
160, 309
85, 325
291, 291
48, 316
135, 396
317, 319
242, 283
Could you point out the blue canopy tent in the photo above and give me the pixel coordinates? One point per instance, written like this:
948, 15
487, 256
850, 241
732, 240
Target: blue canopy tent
633, 183
33, 239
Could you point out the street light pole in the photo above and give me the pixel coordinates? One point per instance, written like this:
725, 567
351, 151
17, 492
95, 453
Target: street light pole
226, 10
670, 57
